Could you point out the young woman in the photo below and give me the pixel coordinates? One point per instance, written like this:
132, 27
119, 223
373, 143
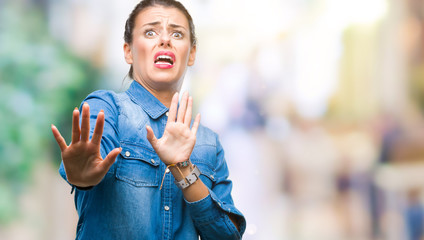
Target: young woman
141, 167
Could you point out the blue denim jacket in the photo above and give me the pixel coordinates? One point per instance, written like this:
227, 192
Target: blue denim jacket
127, 203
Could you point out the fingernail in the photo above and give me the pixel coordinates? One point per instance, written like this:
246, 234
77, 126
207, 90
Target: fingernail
76, 108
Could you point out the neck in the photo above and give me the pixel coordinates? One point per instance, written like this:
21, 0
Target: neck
164, 95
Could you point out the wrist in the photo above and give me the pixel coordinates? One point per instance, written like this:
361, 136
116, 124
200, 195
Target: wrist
180, 171
79, 184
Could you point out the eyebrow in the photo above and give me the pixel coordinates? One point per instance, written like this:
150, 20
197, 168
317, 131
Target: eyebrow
176, 26
172, 25
152, 24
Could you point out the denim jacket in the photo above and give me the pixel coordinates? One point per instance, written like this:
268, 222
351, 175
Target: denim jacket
127, 203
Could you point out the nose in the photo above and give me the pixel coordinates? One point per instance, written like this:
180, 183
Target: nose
164, 40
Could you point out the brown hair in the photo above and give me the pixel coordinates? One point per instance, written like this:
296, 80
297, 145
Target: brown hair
130, 24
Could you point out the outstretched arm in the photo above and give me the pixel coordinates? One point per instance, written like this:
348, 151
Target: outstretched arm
177, 143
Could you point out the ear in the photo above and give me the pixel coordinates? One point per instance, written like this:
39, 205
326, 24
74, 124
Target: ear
192, 56
128, 53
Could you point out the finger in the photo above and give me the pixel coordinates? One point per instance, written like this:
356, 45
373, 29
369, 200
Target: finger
173, 108
187, 118
59, 139
98, 129
85, 122
195, 124
151, 137
182, 108
75, 126
110, 159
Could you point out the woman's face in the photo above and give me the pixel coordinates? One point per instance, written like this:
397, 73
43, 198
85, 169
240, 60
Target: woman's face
161, 48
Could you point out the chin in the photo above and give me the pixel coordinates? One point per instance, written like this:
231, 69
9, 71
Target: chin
167, 78
166, 82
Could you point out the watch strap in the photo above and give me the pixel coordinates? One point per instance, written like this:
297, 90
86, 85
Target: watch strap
189, 179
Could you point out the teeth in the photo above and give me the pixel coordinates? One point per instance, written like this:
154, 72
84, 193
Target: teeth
167, 63
164, 57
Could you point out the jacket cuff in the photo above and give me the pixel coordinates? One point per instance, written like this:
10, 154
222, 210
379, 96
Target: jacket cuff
204, 211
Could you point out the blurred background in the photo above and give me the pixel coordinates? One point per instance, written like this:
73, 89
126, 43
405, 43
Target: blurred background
318, 104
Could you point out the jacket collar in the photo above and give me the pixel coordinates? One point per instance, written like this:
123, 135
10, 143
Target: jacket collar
150, 104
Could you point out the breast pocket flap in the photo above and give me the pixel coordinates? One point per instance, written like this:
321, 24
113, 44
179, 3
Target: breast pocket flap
138, 166
140, 153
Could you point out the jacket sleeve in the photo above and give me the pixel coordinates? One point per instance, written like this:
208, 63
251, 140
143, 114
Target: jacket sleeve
210, 215
101, 100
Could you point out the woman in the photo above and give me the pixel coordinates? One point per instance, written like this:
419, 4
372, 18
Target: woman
146, 170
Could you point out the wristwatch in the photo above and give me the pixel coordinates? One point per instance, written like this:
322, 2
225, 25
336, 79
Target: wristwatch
190, 179
184, 164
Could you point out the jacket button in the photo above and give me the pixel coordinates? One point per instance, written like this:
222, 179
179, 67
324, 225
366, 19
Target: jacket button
166, 208
127, 154
152, 160
167, 113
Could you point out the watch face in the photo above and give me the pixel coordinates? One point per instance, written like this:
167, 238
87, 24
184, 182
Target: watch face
184, 164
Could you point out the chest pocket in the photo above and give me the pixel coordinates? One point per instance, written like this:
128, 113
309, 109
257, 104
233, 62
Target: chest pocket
138, 166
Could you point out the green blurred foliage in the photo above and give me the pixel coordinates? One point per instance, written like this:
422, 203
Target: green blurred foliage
41, 82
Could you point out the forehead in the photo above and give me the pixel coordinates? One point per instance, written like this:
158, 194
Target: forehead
170, 15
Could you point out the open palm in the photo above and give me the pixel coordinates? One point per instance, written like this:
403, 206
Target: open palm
178, 140
84, 165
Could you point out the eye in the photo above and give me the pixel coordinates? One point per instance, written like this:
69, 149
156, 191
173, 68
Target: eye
150, 33
177, 35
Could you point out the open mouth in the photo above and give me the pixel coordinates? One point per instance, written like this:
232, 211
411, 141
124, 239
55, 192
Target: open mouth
164, 59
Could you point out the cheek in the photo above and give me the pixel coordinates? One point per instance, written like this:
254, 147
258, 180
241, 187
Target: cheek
141, 50
185, 52
140, 60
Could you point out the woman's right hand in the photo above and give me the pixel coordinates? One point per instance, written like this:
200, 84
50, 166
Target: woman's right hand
84, 165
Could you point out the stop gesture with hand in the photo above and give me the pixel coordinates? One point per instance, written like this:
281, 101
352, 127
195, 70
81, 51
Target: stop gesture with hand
178, 140
84, 165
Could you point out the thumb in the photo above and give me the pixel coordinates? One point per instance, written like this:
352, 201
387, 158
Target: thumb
151, 136
110, 158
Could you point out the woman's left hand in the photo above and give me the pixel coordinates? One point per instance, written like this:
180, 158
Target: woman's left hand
178, 139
